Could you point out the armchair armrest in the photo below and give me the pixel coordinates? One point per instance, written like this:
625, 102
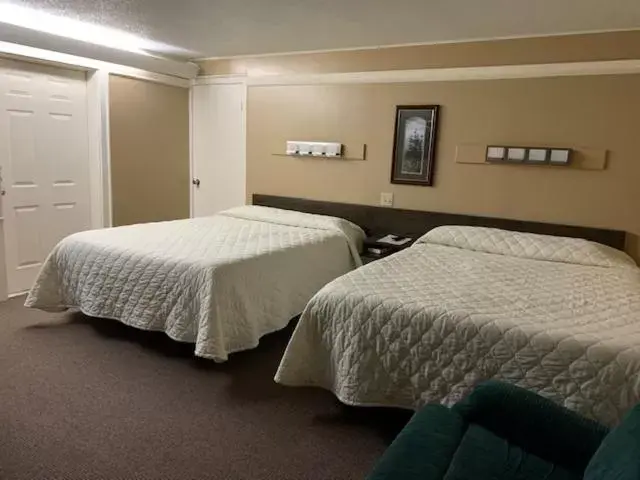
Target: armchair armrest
534, 423
619, 455
424, 448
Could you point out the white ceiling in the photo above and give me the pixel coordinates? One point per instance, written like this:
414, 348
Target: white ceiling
207, 28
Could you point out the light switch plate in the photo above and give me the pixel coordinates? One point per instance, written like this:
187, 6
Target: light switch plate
386, 199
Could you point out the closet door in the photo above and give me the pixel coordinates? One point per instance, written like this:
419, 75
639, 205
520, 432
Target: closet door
218, 148
44, 161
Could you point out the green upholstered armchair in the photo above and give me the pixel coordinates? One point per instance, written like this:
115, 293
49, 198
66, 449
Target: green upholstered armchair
504, 432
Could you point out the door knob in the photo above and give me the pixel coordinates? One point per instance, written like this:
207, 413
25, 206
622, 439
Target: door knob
196, 182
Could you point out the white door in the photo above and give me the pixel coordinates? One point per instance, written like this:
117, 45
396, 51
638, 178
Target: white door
44, 161
218, 148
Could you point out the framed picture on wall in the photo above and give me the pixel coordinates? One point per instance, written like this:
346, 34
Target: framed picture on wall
414, 144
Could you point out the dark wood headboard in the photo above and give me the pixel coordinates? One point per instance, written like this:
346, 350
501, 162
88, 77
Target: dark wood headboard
381, 220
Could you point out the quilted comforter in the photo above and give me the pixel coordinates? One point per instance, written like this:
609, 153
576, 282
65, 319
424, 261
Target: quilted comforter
554, 315
220, 282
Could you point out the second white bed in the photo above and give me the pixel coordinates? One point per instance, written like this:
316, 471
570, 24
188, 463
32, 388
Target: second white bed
554, 315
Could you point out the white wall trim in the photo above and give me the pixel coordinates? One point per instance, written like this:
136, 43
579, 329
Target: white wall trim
613, 67
191, 159
146, 75
245, 93
99, 148
23, 52
219, 79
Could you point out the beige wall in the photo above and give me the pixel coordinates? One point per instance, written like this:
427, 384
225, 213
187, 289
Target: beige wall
577, 112
149, 126
592, 112
569, 48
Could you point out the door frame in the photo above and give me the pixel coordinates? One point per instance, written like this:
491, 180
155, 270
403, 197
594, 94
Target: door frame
99, 148
216, 80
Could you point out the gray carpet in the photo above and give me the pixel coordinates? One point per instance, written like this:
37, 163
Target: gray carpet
84, 398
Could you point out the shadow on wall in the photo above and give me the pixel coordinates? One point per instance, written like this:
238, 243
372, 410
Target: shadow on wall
632, 246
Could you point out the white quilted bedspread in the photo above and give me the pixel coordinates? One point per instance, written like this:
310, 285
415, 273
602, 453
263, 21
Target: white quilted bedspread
220, 282
427, 324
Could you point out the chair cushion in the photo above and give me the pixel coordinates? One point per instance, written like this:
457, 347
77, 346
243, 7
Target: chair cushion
534, 423
424, 448
483, 455
618, 457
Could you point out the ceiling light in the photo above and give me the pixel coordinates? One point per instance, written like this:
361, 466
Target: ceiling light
69, 28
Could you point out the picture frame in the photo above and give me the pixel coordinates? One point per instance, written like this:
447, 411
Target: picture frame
414, 144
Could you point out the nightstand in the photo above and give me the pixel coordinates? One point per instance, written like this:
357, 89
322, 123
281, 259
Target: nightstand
373, 249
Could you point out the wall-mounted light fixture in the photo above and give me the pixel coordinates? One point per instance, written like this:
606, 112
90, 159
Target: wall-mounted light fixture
529, 155
314, 149
328, 150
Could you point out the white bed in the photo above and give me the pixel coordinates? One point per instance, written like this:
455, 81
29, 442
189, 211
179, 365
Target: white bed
555, 315
220, 282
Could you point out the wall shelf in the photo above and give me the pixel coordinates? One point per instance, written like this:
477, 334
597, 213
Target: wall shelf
583, 158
